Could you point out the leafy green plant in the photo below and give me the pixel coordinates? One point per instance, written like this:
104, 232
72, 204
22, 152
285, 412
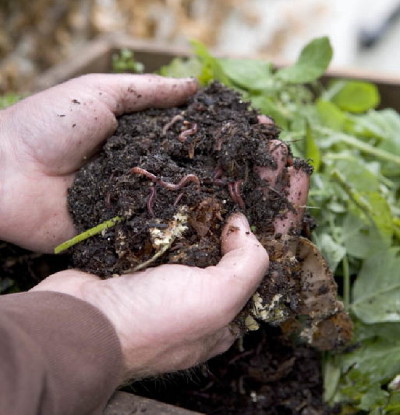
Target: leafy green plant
355, 150
124, 61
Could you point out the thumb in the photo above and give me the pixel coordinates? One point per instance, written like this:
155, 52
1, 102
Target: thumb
242, 267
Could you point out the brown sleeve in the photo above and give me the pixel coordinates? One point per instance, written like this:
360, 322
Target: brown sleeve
58, 355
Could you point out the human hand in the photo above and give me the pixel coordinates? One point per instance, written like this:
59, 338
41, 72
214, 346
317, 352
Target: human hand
173, 316
46, 138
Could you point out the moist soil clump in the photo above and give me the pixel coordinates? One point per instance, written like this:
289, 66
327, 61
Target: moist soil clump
196, 161
168, 179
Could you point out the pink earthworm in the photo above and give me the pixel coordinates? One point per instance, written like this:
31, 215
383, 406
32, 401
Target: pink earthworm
234, 192
170, 186
182, 137
150, 201
167, 126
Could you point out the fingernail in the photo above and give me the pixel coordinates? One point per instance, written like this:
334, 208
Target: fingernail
240, 221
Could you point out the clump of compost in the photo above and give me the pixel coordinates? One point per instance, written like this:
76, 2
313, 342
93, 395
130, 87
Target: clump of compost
167, 180
181, 170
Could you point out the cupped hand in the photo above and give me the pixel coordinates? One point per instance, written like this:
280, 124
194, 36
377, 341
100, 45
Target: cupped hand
172, 317
46, 138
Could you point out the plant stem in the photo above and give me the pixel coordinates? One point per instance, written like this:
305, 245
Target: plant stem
367, 148
359, 201
87, 234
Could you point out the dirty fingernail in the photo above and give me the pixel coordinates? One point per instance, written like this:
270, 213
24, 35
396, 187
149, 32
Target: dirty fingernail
239, 221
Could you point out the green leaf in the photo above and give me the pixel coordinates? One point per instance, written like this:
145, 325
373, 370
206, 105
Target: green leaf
357, 174
393, 406
124, 61
360, 237
380, 214
374, 397
377, 288
356, 96
211, 69
331, 372
376, 361
311, 64
248, 73
330, 115
330, 250
182, 68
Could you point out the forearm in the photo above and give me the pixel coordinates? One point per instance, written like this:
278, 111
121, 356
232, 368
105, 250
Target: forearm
59, 355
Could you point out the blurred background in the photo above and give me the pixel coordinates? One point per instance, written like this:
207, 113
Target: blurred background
36, 35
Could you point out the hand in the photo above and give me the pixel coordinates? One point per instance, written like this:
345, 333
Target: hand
172, 317
47, 137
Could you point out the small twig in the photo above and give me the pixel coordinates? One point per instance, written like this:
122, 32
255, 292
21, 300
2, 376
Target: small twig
87, 234
167, 126
182, 137
152, 259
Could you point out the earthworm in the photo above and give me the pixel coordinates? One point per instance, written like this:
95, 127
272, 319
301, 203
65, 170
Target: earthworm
150, 201
217, 173
220, 136
182, 137
170, 186
178, 199
167, 126
185, 179
234, 193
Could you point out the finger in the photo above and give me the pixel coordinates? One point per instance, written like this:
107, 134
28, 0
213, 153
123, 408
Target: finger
235, 278
264, 119
127, 93
64, 125
279, 153
299, 181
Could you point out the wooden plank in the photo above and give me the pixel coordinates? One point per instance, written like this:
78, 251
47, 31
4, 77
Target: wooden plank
123, 403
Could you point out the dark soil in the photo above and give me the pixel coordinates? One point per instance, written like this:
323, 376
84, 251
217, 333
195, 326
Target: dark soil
224, 142
263, 374
20, 270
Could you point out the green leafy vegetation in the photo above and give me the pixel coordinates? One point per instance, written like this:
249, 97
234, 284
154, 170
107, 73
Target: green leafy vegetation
124, 61
355, 150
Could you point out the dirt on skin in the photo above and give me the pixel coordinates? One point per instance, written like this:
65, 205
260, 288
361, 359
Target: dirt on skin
171, 177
